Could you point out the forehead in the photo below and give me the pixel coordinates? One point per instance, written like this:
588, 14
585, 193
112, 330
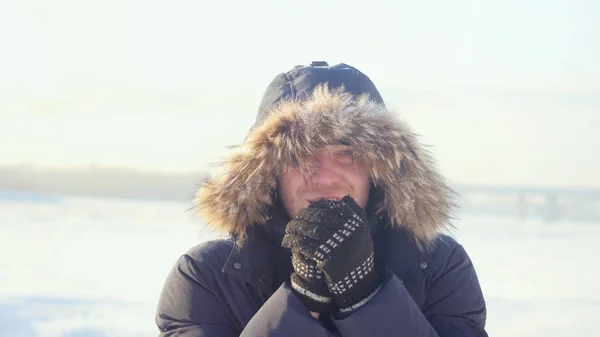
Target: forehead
322, 147
304, 159
332, 147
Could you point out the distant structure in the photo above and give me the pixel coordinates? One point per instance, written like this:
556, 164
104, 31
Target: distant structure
549, 204
7, 195
28, 184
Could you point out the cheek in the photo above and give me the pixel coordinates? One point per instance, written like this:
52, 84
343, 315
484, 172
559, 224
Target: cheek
362, 185
284, 187
363, 193
286, 181
288, 186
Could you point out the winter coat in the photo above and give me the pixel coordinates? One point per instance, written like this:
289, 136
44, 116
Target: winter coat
238, 286
215, 290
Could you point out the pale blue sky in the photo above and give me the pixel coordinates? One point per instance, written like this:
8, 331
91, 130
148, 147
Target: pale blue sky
504, 91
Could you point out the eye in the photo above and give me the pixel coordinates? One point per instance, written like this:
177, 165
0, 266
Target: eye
345, 156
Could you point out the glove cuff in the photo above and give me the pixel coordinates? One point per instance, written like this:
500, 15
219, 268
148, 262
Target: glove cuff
357, 287
359, 303
316, 300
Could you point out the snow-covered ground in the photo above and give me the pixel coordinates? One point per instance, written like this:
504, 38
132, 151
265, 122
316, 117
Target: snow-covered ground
95, 268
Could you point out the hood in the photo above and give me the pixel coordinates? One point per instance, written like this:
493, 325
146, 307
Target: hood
413, 194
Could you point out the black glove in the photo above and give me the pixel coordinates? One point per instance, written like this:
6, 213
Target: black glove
335, 235
308, 283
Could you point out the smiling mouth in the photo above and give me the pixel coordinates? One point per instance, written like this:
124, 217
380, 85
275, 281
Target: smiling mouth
326, 198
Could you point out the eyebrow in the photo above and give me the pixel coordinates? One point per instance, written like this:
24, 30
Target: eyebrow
338, 142
340, 145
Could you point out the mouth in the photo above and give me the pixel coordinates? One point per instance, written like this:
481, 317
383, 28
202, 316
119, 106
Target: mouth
325, 197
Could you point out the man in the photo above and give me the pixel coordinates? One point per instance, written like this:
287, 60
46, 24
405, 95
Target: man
335, 215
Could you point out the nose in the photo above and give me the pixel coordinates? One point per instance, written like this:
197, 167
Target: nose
323, 172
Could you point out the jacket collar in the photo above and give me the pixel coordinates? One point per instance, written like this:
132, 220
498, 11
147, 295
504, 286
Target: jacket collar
396, 250
255, 261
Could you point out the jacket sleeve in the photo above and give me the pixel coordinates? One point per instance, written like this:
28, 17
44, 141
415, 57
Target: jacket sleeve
284, 315
454, 306
188, 308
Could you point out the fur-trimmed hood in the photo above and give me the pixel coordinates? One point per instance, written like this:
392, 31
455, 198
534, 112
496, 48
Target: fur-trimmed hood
415, 196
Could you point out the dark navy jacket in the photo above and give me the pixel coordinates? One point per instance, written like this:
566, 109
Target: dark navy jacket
217, 291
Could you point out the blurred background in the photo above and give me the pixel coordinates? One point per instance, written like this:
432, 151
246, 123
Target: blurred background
111, 112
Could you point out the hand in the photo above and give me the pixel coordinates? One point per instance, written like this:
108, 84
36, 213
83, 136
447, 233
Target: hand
335, 236
308, 283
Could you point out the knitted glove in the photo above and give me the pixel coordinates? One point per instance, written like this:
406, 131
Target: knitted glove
334, 235
308, 283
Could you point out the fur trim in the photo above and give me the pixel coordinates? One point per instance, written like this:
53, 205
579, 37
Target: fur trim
415, 195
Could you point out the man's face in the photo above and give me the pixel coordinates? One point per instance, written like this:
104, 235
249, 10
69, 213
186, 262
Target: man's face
336, 173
